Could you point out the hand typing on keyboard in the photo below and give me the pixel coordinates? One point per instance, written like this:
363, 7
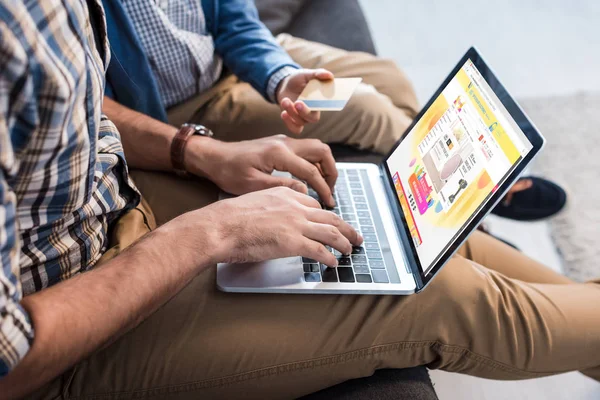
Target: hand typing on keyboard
277, 223
244, 167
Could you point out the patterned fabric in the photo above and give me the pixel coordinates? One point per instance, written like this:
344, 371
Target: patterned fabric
179, 48
181, 53
275, 79
63, 177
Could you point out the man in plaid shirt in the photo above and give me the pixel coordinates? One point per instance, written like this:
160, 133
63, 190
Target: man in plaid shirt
65, 188
146, 320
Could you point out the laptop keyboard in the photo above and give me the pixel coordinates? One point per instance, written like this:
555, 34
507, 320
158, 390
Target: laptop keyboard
366, 263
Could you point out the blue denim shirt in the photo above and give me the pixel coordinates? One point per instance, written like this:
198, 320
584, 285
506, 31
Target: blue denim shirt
246, 46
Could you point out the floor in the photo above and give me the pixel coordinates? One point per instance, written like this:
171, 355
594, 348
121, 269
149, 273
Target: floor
537, 49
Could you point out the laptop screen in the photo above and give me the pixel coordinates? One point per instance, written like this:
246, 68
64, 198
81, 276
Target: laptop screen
452, 161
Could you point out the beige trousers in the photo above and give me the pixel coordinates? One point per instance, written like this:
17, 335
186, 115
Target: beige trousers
378, 113
491, 312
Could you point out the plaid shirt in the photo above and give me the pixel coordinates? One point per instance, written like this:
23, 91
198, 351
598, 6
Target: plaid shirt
181, 52
63, 177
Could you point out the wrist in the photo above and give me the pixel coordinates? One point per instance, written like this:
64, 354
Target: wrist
200, 155
194, 239
276, 82
279, 90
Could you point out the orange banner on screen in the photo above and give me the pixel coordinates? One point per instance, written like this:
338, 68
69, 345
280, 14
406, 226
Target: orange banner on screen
414, 231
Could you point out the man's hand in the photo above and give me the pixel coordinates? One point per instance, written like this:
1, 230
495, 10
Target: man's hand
244, 167
276, 223
295, 113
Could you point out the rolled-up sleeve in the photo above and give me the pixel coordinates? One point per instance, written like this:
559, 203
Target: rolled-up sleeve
16, 331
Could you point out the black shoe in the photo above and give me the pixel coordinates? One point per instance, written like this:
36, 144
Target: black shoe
542, 200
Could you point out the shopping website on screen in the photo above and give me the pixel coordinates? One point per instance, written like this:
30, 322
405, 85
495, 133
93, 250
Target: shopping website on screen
453, 160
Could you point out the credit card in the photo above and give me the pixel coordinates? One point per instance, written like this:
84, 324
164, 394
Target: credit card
329, 95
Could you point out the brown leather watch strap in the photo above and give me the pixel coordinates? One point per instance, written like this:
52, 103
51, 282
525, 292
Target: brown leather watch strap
178, 148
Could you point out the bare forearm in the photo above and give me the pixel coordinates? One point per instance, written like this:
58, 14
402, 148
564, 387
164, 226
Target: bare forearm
78, 316
146, 141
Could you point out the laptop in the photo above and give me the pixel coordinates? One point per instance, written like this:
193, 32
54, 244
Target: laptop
456, 161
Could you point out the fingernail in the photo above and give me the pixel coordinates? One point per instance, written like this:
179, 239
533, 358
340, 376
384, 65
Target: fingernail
332, 201
299, 106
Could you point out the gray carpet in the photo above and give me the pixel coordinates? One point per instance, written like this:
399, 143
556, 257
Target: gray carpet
571, 125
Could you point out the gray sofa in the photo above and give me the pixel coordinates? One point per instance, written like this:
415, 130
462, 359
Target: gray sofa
341, 23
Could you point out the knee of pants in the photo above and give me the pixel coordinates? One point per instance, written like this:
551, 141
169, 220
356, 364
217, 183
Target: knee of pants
377, 123
402, 91
481, 313
460, 295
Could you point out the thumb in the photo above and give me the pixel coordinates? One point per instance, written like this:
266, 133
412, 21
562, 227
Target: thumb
270, 181
322, 74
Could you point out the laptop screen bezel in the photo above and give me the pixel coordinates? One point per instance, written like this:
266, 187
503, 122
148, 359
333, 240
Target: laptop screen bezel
532, 134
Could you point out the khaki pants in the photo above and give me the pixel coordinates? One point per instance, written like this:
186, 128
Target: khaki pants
491, 311
378, 113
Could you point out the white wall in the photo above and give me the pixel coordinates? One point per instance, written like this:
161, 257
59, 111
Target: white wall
536, 47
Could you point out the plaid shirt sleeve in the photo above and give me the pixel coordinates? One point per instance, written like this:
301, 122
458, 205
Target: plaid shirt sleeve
16, 331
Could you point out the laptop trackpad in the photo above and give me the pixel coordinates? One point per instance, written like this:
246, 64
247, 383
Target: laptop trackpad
268, 274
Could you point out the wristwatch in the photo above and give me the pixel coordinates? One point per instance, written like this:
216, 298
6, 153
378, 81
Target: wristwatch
180, 141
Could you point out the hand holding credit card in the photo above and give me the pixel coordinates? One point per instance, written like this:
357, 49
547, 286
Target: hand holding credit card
331, 95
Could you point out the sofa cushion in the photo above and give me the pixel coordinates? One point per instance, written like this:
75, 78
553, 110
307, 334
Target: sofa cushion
385, 384
277, 15
337, 23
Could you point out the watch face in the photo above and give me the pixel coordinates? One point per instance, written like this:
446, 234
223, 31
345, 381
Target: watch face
198, 129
